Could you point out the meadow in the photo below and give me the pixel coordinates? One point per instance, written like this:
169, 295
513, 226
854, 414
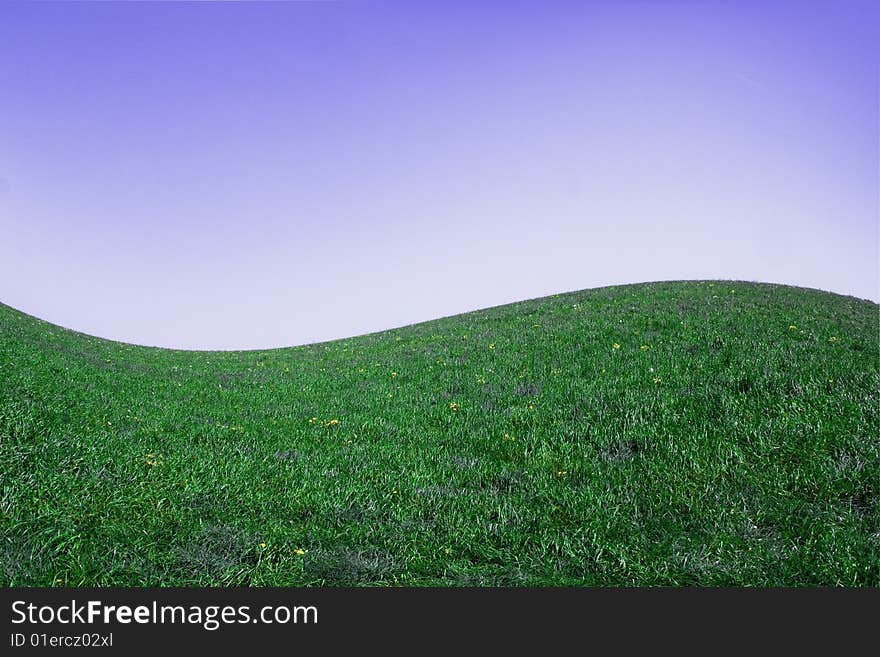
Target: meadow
677, 433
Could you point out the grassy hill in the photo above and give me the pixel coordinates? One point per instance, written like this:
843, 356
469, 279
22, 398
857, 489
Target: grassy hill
707, 433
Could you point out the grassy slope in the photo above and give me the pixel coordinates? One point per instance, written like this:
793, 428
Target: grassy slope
509, 446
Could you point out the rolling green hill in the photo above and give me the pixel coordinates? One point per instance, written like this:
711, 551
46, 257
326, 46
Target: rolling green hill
681, 433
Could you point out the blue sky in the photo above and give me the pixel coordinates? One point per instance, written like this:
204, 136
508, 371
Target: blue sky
241, 175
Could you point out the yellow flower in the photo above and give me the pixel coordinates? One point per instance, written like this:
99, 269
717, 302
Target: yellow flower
616, 345
832, 339
312, 420
331, 423
393, 374
657, 379
286, 369
262, 545
492, 345
299, 552
536, 326
792, 327
453, 406
561, 473
644, 347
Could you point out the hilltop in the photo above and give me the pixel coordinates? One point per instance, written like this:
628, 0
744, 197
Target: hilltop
677, 433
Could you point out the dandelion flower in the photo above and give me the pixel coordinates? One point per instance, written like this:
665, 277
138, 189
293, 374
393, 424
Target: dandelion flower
331, 423
453, 406
644, 347
492, 345
616, 345
792, 327
832, 339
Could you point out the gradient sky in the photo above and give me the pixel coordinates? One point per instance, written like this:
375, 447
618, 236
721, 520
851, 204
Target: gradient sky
241, 175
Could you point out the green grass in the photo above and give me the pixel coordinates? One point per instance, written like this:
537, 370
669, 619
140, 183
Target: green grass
510, 446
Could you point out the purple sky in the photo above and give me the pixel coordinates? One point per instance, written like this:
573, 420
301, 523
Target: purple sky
240, 175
